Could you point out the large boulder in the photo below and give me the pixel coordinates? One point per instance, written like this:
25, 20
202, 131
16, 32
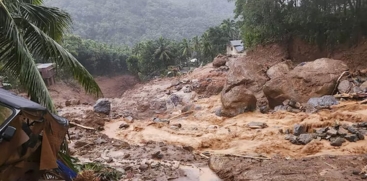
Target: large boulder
102, 106
237, 100
311, 79
279, 69
220, 60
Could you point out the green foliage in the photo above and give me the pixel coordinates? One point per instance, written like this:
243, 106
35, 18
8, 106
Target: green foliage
98, 58
325, 22
130, 22
28, 31
153, 57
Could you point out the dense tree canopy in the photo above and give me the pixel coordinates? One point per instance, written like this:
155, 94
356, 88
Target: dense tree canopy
325, 22
129, 22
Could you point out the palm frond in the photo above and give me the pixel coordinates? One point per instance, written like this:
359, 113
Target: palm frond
41, 45
17, 58
52, 21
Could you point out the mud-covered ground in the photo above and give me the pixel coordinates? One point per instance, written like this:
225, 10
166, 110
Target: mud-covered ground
196, 138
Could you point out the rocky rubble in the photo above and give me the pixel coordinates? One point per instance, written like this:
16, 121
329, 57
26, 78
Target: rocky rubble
336, 135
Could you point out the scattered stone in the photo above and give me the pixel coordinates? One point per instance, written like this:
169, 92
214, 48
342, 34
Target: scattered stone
179, 87
344, 86
109, 160
324, 101
322, 130
257, 125
356, 172
186, 108
218, 111
305, 138
299, 129
127, 156
129, 119
352, 130
332, 131
211, 127
157, 155
143, 167
364, 124
237, 100
176, 126
124, 126
188, 148
102, 106
157, 120
99, 141
175, 99
360, 136
342, 132
351, 137
264, 109
292, 139
187, 89
338, 141
185, 81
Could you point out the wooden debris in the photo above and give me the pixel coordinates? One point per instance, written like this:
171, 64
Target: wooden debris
81, 126
351, 95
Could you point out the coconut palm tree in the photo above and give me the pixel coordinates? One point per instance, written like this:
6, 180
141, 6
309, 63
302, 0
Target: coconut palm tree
163, 52
29, 30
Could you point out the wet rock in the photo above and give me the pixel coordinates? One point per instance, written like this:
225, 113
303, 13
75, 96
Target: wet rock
237, 101
322, 130
102, 106
129, 119
324, 101
299, 129
143, 167
243, 86
344, 86
352, 130
305, 138
186, 89
186, 108
213, 127
351, 137
279, 69
360, 136
332, 131
264, 109
291, 138
302, 83
176, 126
363, 86
218, 112
220, 60
157, 120
257, 125
342, 132
124, 126
175, 99
188, 148
338, 141
157, 155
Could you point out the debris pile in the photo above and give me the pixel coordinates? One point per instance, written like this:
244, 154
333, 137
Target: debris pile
337, 135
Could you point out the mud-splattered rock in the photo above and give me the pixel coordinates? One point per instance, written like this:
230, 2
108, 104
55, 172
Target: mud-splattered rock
305, 138
220, 60
324, 101
279, 69
332, 131
237, 101
124, 126
351, 137
313, 79
338, 141
257, 125
102, 106
342, 132
299, 129
344, 86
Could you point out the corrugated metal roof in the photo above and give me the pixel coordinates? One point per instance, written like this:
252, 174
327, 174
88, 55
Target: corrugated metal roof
236, 43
